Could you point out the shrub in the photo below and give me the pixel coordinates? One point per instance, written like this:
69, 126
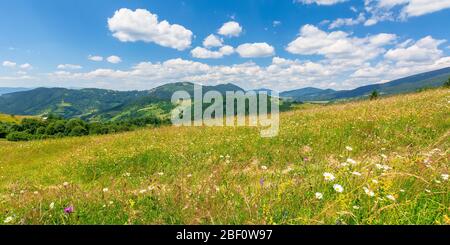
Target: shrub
18, 136
78, 131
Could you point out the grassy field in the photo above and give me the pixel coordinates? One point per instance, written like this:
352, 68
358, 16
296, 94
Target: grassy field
12, 118
369, 162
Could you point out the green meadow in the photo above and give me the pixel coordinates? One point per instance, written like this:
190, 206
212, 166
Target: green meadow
384, 161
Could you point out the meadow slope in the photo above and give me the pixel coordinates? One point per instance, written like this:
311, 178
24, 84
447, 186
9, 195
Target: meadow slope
388, 163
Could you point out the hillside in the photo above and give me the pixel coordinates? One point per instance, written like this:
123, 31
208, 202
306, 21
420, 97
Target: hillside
99, 104
388, 159
404, 85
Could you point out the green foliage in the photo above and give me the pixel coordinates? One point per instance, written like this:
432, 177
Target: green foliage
447, 83
374, 95
56, 127
18, 136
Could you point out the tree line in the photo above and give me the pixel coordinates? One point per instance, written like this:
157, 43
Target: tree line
57, 127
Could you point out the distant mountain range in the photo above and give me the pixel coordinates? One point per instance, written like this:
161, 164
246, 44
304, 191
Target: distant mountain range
408, 84
101, 104
12, 90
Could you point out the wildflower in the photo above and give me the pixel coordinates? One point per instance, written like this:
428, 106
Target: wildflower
369, 192
105, 189
111, 202
127, 174
8, 219
329, 176
338, 188
143, 191
379, 166
69, 210
22, 191
264, 167
348, 148
351, 161
319, 195
356, 207
375, 181
427, 191
402, 190
261, 182
52, 205
35, 193
160, 173
189, 175
356, 173
383, 156
390, 197
305, 159
444, 177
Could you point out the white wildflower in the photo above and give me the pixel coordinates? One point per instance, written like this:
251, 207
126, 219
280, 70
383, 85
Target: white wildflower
357, 173
390, 197
369, 192
8, 219
328, 176
375, 181
444, 177
319, 195
264, 167
356, 207
338, 188
351, 161
348, 148
52, 205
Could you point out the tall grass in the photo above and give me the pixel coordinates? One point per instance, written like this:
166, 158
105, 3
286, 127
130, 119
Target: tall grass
390, 156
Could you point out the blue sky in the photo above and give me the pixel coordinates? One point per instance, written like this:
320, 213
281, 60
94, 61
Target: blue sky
274, 44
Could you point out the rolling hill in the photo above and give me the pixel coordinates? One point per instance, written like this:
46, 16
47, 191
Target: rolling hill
388, 158
100, 104
408, 84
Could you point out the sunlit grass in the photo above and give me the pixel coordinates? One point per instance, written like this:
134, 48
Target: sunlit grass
390, 157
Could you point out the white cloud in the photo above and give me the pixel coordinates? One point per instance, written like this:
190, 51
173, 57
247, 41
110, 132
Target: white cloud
26, 66
203, 53
392, 10
69, 67
141, 25
424, 50
320, 2
415, 7
230, 29
95, 58
339, 46
114, 59
9, 64
253, 50
347, 21
276, 23
212, 41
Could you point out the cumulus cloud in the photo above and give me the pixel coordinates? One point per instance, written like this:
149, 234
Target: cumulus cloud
254, 50
339, 46
425, 50
69, 67
347, 21
203, 53
320, 2
141, 25
392, 10
212, 41
9, 64
230, 29
26, 66
114, 59
95, 58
